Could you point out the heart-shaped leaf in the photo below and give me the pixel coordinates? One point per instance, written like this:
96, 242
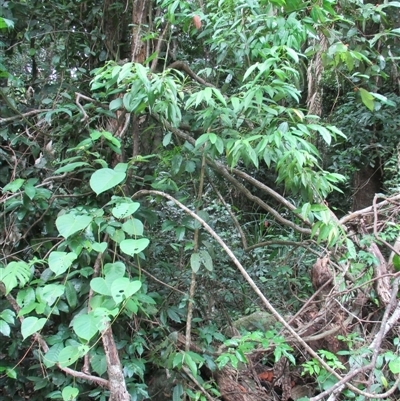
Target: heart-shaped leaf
105, 179
70, 223
85, 326
134, 246
100, 286
123, 288
31, 325
59, 262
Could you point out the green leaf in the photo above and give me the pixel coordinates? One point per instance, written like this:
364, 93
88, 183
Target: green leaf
134, 246
206, 260
5, 329
105, 179
122, 288
70, 223
59, 262
115, 270
191, 364
351, 249
133, 227
50, 358
167, 139
99, 247
367, 99
69, 393
195, 261
99, 363
177, 392
14, 186
394, 366
396, 262
115, 104
70, 294
100, 286
70, 167
31, 325
71, 354
30, 191
14, 273
51, 292
125, 209
8, 316
219, 96
6, 23
85, 326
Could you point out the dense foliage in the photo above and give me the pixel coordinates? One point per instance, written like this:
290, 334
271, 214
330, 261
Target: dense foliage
176, 184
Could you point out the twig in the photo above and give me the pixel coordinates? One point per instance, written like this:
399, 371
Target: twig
196, 382
180, 65
233, 217
27, 114
195, 250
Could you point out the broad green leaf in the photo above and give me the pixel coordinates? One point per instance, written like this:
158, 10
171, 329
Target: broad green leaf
201, 139
69, 393
396, 262
11, 373
70, 223
134, 246
51, 357
31, 325
219, 96
122, 288
5, 329
25, 296
70, 294
167, 139
125, 209
7, 315
178, 360
85, 326
59, 262
115, 104
30, 191
394, 366
101, 317
191, 364
367, 99
70, 167
195, 261
133, 227
6, 23
15, 273
99, 363
100, 286
206, 260
177, 392
14, 186
71, 354
114, 270
51, 292
99, 247
351, 249
105, 179
117, 236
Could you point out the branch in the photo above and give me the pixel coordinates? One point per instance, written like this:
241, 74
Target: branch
252, 284
180, 65
220, 168
367, 210
27, 114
